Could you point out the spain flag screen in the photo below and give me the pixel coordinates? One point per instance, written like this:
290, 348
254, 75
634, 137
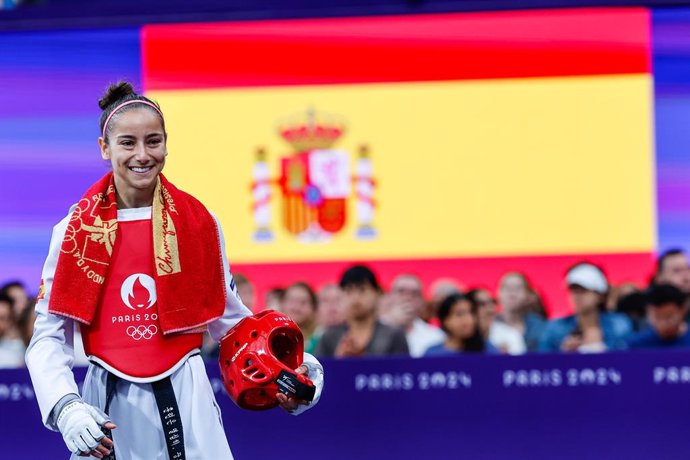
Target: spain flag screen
443, 145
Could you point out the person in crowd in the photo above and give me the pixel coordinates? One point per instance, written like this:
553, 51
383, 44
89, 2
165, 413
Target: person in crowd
246, 291
17, 292
300, 304
666, 312
439, 289
460, 321
535, 304
672, 268
616, 293
25, 323
330, 311
514, 296
504, 338
362, 334
634, 306
590, 329
11, 347
274, 298
406, 303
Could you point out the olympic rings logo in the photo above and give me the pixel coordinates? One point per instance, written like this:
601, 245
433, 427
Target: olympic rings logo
142, 332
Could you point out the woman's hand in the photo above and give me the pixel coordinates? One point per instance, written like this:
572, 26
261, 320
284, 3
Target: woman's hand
288, 403
80, 425
105, 447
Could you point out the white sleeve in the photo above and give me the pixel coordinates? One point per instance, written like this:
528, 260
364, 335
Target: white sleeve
235, 310
50, 354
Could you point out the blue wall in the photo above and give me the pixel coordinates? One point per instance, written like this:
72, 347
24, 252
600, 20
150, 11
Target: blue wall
611, 406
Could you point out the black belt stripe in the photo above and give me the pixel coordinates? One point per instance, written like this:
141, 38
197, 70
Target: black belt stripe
167, 409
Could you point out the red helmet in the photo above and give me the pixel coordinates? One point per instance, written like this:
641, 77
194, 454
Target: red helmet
258, 358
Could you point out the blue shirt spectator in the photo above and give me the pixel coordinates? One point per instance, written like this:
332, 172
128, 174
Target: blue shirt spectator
590, 330
649, 339
615, 329
665, 314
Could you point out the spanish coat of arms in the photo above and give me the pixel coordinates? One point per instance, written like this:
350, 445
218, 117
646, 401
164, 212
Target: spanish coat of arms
315, 183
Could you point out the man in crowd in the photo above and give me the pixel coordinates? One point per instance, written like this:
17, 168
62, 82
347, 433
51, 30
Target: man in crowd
362, 334
404, 307
672, 268
665, 314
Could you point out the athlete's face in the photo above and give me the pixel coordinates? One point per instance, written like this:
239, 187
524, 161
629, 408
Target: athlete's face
136, 150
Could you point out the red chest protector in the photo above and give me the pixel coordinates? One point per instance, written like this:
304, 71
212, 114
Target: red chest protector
125, 336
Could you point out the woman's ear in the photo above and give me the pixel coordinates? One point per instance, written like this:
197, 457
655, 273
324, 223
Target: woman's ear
105, 149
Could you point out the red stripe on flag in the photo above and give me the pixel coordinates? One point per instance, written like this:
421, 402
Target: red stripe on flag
397, 48
546, 272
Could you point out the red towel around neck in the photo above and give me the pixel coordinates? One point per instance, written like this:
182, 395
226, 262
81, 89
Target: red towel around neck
188, 266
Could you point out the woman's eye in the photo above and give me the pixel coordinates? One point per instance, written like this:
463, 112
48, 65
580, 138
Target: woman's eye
154, 141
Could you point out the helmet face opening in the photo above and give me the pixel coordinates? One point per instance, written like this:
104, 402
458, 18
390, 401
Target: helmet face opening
254, 353
284, 345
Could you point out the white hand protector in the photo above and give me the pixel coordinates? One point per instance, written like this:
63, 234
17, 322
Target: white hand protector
315, 374
80, 425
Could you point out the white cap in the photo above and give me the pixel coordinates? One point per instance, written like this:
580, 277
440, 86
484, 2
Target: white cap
589, 277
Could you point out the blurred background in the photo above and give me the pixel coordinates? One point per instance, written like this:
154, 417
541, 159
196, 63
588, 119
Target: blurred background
527, 157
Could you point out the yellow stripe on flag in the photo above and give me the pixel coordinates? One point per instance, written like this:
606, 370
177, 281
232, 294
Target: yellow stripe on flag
472, 168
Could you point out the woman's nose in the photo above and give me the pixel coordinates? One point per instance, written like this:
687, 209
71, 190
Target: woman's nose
140, 152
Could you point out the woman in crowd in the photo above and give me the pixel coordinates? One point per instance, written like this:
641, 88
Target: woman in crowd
300, 304
514, 297
11, 347
591, 329
460, 321
505, 338
331, 311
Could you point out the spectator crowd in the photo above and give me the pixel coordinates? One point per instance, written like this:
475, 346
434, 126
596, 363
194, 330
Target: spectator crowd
356, 317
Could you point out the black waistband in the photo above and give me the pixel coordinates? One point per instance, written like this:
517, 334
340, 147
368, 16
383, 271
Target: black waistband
169, 412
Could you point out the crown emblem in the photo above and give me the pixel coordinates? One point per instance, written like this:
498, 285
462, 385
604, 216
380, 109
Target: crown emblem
311, 131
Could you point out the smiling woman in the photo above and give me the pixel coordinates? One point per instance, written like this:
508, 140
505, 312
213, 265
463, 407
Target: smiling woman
133, 140
125, 266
